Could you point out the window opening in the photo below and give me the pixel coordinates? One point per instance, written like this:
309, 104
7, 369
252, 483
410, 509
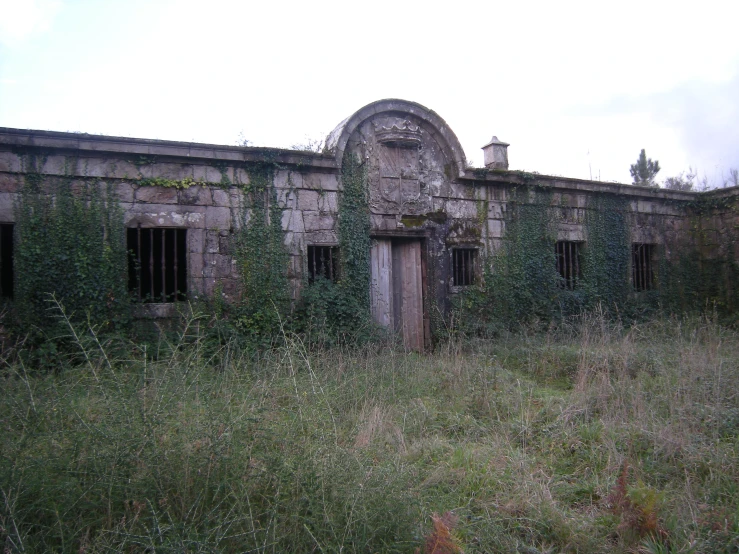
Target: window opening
157, 266
642, 266
323, 261
6, 260
567, 255
463, 266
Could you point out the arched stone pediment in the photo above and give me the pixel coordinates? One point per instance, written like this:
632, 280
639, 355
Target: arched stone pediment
410, 152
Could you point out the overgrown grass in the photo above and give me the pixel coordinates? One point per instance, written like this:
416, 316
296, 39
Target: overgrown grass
589, 438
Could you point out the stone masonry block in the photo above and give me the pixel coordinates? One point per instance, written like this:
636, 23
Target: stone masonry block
462, 209
221, 198
196, 241
321, 237
292, 220
314, 221
10, 182
125, 192
217, 218
328, 202
308, 200
495, 228
212, 244
156, 195
7, 213
284, 179
10, 162
206, 173
320, 181
172, 171
134, 218
195, 195
195, 265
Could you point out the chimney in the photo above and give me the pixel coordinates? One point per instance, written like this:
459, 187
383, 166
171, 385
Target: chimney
496, 154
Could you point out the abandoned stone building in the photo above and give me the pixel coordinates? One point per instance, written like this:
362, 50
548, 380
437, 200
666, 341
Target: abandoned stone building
431, 217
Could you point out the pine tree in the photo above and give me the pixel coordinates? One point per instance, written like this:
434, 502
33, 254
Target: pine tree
644, 171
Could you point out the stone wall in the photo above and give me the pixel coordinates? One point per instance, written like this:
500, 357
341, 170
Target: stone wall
419, 186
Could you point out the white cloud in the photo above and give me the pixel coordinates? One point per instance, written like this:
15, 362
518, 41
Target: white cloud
23, 19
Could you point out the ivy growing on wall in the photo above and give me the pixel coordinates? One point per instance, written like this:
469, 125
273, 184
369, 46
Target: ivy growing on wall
262, 260
69, 245
340, 311
520, 281
606, 254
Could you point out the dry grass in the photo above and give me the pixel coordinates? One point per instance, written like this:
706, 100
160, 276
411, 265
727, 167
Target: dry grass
521, 442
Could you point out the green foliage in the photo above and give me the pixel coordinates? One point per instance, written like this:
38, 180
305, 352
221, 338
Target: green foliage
339, 313
644, 170
523, 277
72, 246
262, 261
354, 236
181, 184
607, 252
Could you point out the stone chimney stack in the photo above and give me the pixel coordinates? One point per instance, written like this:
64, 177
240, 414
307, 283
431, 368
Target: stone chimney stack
496, 154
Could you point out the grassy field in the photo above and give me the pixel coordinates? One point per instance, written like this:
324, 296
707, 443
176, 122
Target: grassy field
588, 438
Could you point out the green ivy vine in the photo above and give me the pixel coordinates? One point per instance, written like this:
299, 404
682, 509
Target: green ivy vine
72, 246
262, 260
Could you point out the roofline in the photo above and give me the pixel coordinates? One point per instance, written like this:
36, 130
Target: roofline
84, 142
513, 177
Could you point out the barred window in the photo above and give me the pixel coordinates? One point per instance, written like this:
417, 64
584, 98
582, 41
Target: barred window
567, 255
642, 266
323, 261
464, 262
157, 266
6, 260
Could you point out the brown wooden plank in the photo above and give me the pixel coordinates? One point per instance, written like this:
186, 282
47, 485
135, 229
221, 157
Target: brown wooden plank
381, 285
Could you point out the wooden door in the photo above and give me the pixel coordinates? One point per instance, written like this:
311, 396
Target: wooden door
397, 289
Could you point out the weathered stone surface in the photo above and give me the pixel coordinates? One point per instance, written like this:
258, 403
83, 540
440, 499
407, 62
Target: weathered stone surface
196, 240
161, 218
195, 195
328, 202
217, 218
225, 243
125, 191
315, 221
321, 237
292, 220
495, 228
206, 173
284, 179
156, 195
308, 200
212, 242
461, 209
7, 214
9, 161
220, 198
10, 182
320, 181
195, 264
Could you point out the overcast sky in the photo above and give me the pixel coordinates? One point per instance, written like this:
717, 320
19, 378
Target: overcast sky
576, 88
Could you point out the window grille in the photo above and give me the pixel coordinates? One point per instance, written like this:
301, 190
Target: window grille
323, 261
6, 260
642, 266
157, 269
463, 266
567, 254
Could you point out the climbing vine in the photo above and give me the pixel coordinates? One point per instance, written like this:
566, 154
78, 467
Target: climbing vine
69, 245
354, 234
339, 312
262, 260
606, 255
